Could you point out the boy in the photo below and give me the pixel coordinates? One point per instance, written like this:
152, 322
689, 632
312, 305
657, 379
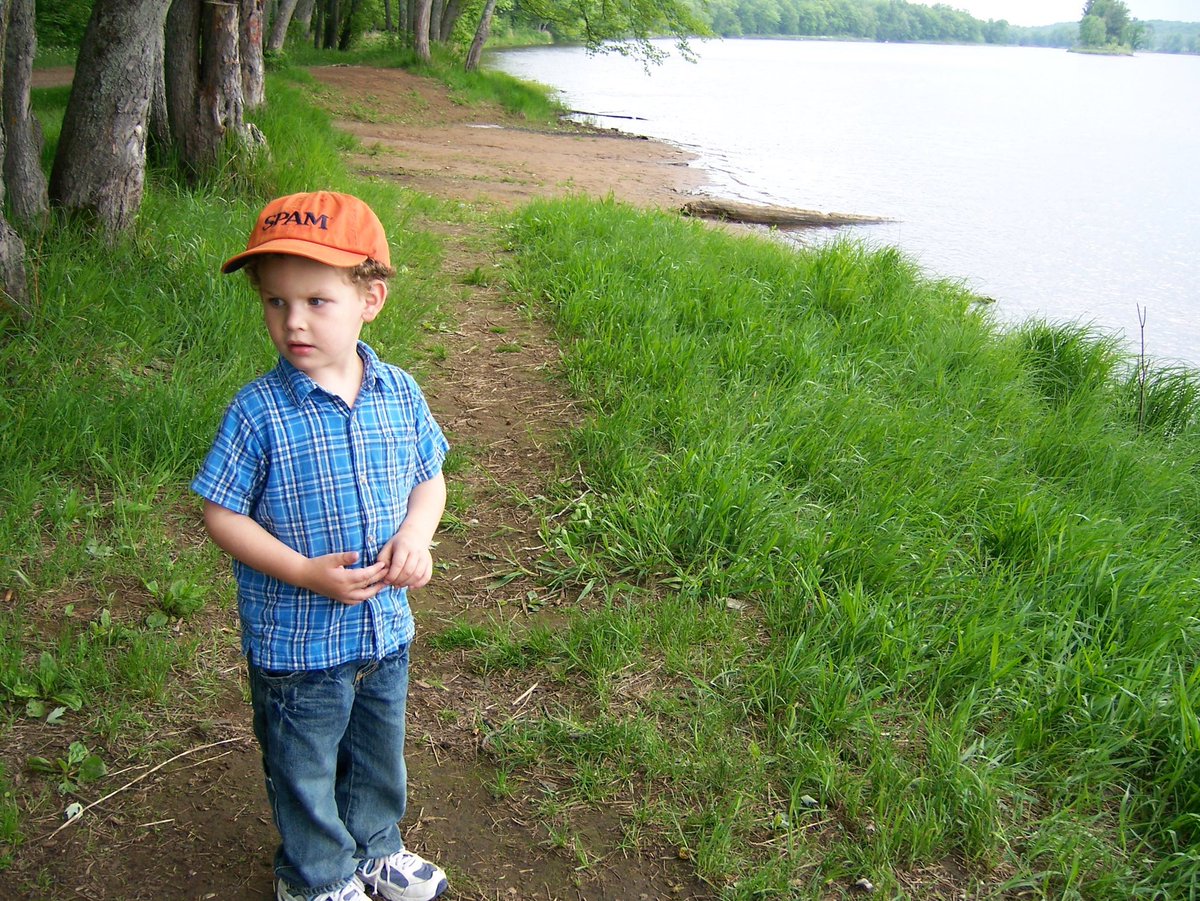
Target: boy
325, 486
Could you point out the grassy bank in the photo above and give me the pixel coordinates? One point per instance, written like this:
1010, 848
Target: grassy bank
884, 594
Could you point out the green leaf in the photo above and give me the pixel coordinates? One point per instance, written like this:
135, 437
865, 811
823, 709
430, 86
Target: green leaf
69, 699
35, 709
76, 754
93, 768
41, 765
55, 716
157, 619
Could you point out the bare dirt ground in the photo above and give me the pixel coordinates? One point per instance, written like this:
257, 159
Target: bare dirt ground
199, 827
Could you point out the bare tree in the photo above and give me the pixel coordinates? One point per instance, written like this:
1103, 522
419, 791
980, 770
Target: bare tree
100, 165
23, 173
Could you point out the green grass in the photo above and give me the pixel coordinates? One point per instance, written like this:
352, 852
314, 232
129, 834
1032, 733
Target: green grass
116, 606
917, 589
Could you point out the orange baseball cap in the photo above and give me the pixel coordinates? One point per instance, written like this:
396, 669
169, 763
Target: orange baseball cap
331, 228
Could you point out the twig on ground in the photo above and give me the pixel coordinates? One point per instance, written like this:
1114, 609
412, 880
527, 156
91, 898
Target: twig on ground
133, 782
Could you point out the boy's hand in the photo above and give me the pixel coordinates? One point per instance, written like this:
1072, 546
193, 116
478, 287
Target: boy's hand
407, 561
330, 576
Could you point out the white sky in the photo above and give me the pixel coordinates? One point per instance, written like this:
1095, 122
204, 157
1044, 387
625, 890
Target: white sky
1046, 12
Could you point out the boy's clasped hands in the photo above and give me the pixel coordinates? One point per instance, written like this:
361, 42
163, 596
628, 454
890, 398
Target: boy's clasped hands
402, 563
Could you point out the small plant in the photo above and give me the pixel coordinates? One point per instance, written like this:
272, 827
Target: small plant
180, 597
47, 694
477, 277
77, 769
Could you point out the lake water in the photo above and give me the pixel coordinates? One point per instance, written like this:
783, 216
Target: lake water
1060, 184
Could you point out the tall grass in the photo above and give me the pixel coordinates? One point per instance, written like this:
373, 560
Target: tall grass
966, 573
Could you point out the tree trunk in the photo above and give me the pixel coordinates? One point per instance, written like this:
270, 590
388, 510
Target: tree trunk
279, 27
421, 29
159, 141
348, 26
23, 175
221, 99
333, 18
475, 54
100, 165
204, 83
304, 15
387, 16
436, 8
12, 248
450, 18
182, 77
250, 52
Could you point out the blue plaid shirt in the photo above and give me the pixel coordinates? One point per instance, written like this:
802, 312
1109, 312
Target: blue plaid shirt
322, 477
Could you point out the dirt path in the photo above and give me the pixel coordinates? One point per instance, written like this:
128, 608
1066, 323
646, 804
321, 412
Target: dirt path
199, 828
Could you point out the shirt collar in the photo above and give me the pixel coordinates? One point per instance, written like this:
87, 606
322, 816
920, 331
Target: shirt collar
299, 386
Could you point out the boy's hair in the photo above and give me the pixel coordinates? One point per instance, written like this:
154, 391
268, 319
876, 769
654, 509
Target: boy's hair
361, 275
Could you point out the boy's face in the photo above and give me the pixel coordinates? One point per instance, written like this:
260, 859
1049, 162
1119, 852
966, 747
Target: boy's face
314, 314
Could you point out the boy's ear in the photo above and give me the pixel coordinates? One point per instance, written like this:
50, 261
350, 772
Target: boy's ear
375, 293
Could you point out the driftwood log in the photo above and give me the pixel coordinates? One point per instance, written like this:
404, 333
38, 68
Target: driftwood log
779, 216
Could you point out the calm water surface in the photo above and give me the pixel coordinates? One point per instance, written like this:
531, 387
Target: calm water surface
1062, 185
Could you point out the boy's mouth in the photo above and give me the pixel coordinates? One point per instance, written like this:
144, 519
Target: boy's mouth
298, 347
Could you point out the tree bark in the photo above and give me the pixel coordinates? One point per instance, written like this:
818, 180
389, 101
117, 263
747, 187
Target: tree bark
250, 52
348, 26
333, 18
436, 8
12, 249
221, 99
182, 77
23, 175
100, 165
421, 29
387, 16
159, 141
279, 27
204, 83
450, 18
304, 15
475, 54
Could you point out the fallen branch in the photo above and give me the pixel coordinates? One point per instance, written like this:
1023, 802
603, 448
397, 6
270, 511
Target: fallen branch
780, 216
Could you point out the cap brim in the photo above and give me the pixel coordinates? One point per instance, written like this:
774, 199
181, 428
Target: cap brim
330, 256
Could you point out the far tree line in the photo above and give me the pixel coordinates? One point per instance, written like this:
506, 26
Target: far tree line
901, 21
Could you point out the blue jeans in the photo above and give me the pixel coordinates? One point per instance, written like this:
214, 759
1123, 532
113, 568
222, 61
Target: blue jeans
333, 750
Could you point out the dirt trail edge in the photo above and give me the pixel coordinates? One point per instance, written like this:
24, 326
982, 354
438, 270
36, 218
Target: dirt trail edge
199, 827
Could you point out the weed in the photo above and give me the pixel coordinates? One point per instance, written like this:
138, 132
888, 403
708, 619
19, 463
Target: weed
78, 768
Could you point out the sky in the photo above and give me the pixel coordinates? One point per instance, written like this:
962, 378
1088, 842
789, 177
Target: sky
1046, 12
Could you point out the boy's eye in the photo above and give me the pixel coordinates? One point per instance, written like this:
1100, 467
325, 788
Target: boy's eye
274, 301
317, 301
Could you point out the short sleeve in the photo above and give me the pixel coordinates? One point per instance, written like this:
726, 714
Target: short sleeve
234, 469
431, 443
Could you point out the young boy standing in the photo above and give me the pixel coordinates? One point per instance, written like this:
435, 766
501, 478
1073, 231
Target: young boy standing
325, 486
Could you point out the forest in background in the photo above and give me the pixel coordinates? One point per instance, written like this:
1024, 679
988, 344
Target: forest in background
61, 24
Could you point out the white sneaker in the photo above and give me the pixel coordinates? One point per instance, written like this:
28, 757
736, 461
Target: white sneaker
351, 891
403, 876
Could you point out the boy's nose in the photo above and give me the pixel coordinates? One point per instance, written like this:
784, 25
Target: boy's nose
295, 316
